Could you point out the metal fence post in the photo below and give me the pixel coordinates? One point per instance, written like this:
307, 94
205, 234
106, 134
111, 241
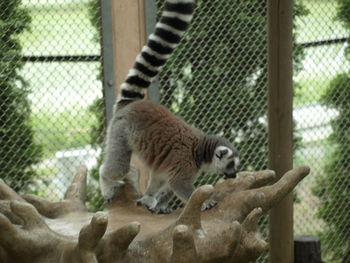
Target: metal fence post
307, 249
107, 57
280, 72
151, 18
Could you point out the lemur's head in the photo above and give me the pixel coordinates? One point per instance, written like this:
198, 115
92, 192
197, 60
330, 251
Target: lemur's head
225, 161
222, 156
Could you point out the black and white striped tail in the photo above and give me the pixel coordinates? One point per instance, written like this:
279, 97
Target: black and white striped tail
175, 19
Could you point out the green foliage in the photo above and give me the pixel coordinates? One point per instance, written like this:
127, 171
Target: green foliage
97, 109
97, 129
344, 17
94, 196
18, 151
344, 12
334, 187
73, 132
95, 16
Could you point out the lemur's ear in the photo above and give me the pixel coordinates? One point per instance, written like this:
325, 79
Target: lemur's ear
221, 152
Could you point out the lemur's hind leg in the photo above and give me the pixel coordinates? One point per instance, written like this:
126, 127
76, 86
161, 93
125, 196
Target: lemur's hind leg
116, 162
156, 182
163, 197
183, 188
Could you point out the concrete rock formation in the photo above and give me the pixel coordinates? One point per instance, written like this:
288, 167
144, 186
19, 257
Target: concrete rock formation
35, 230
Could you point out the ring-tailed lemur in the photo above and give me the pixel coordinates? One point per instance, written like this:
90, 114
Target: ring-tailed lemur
175, 152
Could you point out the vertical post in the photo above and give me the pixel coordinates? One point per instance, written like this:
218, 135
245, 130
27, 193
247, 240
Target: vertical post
280, 96
144, 20
107, 56
129, 36
151, 18
307, 249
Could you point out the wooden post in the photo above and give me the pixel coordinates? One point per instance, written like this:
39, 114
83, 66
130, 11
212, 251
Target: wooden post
307, 249
129, 36
280, 72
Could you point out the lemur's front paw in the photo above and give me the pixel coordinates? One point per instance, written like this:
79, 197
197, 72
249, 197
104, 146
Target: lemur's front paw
161, 210
209, 204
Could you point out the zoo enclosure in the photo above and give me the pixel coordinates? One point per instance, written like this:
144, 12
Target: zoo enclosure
217, 80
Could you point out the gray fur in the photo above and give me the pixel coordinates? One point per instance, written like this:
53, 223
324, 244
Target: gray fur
175, 153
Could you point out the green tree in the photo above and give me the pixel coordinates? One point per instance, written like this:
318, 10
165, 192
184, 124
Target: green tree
18, 151
334, 187
94, 197
97, 109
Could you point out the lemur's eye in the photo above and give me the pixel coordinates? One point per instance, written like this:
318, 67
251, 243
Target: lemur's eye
222, 153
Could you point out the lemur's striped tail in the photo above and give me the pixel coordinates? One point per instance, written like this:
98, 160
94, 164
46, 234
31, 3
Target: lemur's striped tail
174, 21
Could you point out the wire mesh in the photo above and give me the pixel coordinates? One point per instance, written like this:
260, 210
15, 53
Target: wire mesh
216, 80
220, 68
322, 105
218, 73
50, 56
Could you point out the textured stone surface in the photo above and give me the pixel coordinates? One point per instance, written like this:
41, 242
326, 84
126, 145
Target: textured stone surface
36, 230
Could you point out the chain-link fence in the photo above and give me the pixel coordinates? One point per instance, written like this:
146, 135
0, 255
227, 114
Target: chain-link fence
217, 80
50, 63
322, 113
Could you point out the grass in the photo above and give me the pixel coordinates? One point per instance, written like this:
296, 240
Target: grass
62, 131
62, 29
60, 96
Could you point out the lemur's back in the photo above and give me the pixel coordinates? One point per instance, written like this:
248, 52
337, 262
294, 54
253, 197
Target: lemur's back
158, 136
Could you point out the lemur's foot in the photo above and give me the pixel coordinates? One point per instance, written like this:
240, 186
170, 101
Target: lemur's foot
147, 201
111, 193
209, 204
109, 200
